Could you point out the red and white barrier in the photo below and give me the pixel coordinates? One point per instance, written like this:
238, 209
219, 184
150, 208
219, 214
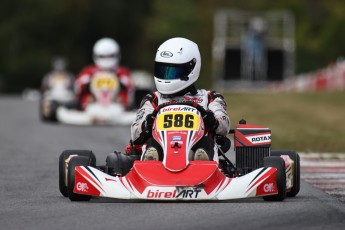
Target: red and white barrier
331, 78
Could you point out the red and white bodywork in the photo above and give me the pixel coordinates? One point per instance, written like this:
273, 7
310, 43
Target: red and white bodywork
177, 128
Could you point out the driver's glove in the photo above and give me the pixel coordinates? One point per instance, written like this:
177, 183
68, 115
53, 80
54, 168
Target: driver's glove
148, 123
223, 142
146, 130
210, 120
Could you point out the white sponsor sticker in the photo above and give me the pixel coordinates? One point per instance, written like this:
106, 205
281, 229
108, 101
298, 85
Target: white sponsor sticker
82, 187
269, 187
259, 139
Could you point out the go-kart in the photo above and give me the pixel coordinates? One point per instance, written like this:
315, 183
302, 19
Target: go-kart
103, 110
258, 171
57, 91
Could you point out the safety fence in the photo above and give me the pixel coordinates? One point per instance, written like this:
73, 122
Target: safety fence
331, 78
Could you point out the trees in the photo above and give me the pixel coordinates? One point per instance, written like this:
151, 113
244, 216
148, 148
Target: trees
32, 32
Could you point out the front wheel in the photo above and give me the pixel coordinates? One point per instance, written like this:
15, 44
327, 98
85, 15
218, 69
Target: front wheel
63, 169
74, 162
48, 110
296, 177
278, 163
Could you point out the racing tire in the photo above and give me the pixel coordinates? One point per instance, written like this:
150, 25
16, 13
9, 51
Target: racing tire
296, 170
278, 163
51, 116
74, 162
42, 117
119, 163
62, 175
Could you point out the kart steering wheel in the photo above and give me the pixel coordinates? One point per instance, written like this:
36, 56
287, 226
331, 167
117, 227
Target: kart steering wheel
189, 103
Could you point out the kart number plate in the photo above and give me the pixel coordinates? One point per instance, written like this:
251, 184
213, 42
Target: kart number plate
104, 82
178, 121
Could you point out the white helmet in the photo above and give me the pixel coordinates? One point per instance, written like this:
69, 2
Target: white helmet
59, 63
177, 65
106, 53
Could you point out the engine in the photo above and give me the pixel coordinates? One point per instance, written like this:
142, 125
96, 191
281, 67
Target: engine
252, 144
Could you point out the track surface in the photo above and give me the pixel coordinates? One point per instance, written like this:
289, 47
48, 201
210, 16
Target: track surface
30, 197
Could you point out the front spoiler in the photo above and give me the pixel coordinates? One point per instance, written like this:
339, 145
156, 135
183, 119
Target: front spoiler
113, 114
210, 184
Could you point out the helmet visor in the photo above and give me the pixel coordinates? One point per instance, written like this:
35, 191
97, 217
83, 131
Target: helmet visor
168, 71
106, 56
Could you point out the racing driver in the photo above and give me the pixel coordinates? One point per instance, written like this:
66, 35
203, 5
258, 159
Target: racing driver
106, 56
177, 68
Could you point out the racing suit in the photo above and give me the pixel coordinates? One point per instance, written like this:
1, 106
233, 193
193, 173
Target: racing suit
208, 100
82, 85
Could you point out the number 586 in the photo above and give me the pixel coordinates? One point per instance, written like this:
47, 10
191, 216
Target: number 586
178, 120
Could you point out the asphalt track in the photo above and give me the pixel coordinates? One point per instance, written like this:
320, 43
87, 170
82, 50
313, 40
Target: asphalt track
30, 198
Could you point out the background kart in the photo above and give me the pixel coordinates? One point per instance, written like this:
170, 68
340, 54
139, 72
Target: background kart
258, 170
56, 91
58, 104
96, 114
105, 109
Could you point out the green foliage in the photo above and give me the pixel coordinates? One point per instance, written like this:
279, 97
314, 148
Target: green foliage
318, 29
33, 32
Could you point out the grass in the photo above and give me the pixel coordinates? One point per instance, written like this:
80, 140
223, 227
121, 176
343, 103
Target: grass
305, 122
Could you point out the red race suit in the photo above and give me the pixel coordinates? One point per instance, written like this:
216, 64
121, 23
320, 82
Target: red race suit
82, 85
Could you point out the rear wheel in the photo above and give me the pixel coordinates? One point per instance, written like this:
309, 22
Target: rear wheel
74, 162
278, 163
63, 170
296, 170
